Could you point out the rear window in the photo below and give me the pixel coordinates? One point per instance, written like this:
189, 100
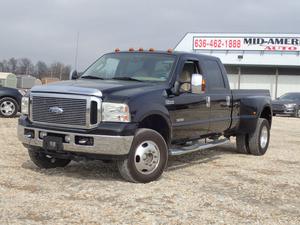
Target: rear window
214, 77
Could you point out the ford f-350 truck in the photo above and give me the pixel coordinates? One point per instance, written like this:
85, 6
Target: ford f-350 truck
140, 107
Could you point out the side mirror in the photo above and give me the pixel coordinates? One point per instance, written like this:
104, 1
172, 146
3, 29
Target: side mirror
176, 89
74, 75
198, 84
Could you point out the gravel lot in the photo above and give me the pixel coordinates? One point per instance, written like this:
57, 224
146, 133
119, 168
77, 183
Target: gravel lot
210, 187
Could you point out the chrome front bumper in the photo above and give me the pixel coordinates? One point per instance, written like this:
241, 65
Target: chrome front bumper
102, 144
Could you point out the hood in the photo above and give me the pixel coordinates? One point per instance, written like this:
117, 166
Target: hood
98, 88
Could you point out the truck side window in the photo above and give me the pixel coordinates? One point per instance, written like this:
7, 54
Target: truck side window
189, 68
214, 75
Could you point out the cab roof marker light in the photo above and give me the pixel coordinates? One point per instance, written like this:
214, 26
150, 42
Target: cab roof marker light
170, 50
117, 50
131, 49
141, 49
151, 50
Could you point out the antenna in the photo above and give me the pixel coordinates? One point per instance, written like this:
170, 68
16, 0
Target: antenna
76, 53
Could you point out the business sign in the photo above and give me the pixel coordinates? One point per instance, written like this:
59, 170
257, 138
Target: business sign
248, 43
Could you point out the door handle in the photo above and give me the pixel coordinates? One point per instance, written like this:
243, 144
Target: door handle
228, 100
208, 101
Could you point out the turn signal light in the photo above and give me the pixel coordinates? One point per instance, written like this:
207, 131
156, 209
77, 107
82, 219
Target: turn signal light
131, 49
203, 86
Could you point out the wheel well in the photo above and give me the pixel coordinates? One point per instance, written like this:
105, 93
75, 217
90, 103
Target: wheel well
159, 124
18, 104
266, 114
9, 96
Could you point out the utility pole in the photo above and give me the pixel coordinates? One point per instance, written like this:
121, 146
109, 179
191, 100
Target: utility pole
76, 52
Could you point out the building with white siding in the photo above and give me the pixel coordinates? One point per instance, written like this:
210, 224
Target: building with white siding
252, 61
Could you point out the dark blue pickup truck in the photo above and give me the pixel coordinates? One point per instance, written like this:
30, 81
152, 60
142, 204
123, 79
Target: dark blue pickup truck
139, 108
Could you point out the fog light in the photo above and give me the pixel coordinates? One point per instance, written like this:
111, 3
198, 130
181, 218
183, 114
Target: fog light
29, 133
42, 134
81, 140
67, 139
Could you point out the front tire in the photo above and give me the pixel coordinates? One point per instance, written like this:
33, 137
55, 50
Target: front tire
45, 161
260, 138
8, 107
147, 159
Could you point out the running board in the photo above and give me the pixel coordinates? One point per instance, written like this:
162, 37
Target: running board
197, 147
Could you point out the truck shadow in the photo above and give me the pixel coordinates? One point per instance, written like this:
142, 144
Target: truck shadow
98, 170
84, 170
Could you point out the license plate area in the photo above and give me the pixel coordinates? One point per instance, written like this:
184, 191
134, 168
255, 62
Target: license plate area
53, 143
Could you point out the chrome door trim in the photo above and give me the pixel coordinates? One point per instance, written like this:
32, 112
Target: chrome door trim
208, 101
228, 100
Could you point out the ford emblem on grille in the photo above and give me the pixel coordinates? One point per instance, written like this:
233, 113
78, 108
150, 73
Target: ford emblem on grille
56, 110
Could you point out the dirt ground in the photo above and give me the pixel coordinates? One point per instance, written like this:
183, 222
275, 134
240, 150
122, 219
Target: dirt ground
215, 186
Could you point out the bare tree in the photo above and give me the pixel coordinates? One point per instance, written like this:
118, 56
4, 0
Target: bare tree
66, 72
12, 64
4, 66
60, 70
25, 66
1, 67
41, 69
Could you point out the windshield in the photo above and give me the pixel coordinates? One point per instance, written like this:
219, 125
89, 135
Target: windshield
290, 96
132, 66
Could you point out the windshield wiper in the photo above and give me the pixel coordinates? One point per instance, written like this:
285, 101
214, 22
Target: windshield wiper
91, 77
126, 78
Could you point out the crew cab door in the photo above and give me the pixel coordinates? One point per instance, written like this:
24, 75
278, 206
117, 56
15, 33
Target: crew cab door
188, 111
218, 96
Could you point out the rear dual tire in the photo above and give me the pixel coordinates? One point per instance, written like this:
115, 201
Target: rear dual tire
242, 145
257, 142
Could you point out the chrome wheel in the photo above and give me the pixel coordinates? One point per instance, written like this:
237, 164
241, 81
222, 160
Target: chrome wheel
147, 157
264, 136
7, 108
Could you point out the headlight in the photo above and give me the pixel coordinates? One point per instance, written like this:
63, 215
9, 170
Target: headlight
115, 112
25, 105
292, 105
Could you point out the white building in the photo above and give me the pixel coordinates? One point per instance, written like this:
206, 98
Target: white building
252, 61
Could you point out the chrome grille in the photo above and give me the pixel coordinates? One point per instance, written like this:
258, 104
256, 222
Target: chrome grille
74, 110
71, 110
